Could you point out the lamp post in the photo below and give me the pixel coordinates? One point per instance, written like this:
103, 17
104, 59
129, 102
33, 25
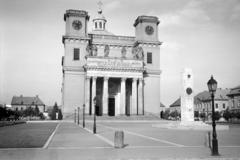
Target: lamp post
212, 87
94, 120
78, 116
83, 115
74, 115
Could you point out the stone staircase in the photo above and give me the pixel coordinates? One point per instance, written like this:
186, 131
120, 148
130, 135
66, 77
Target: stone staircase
147, 116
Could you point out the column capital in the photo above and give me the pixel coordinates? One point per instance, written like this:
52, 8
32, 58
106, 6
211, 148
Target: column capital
135, 79
87, 77
140, 79
94, 77
106, 78
123, 79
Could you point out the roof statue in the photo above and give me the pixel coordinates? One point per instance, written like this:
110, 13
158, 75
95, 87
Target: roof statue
100, 7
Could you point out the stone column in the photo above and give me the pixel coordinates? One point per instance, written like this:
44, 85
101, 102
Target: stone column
105, 95
134, 96
93, 93
123, 95
87, 95
140, 97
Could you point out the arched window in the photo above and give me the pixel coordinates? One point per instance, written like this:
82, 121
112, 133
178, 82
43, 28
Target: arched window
96, 25
100, 25
103, 25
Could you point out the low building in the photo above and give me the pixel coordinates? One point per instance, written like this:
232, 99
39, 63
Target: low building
21, 103
234, 99
176, 106
203, 103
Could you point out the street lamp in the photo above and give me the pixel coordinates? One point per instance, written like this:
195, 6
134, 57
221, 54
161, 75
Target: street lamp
78, 115
75, 115
83, 115
212, 87
94, 122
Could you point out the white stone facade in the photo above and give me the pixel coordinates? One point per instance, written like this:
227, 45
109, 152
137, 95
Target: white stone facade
187, 96
122, 72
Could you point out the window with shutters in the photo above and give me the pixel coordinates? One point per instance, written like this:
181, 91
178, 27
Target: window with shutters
149, 57
76, 54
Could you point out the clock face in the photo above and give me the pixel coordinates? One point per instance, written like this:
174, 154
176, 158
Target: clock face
77, 25
189, 91
149, 30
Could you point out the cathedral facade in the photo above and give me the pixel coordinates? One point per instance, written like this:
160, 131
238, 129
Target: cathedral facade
110, 74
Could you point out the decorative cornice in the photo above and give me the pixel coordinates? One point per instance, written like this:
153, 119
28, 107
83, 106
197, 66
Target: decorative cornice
75, 13
74, 38
154, 72
113, 37
148, 43
113, 44
141, 19
114, 69
114, 58
68, 68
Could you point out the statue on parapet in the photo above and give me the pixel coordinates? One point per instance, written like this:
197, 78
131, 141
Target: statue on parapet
106, 50
137, 52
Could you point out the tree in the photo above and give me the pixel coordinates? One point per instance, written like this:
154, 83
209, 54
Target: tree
217, 115
196, 114
54, 111
166, 114
227, 114
28, 112
175, 114
36, 111
203, 115
60, 116
238, 115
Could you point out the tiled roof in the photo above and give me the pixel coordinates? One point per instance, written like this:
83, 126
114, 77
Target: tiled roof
162, 105
221, 94
234, 91
176, 103
26, 100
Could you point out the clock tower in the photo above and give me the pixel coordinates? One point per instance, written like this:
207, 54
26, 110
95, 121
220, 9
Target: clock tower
146, 37
75, 43
76, 23
146, 28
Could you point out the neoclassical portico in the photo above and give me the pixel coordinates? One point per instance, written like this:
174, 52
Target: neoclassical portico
117, 85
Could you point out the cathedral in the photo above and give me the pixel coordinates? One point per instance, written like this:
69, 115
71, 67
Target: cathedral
110, 74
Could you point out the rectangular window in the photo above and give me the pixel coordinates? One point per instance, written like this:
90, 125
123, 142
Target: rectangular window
62, 60
223, 105
76, 54
149, 57
216, 105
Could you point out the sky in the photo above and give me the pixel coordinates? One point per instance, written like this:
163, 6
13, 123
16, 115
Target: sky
203, 35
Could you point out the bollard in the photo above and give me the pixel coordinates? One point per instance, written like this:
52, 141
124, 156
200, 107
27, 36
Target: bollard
208, 140
119, 139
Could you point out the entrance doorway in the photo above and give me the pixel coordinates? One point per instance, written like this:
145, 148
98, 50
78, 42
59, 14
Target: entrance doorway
111, 106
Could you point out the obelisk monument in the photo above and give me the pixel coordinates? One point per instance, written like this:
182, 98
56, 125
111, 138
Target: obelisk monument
187, 97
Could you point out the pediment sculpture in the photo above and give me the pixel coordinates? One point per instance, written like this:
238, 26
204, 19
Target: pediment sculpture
94, 50
124, 52
88, 49
106, 50
137, 52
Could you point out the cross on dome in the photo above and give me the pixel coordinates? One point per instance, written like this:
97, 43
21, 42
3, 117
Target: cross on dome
100, 7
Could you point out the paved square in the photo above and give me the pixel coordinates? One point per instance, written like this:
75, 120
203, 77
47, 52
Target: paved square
142, 141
